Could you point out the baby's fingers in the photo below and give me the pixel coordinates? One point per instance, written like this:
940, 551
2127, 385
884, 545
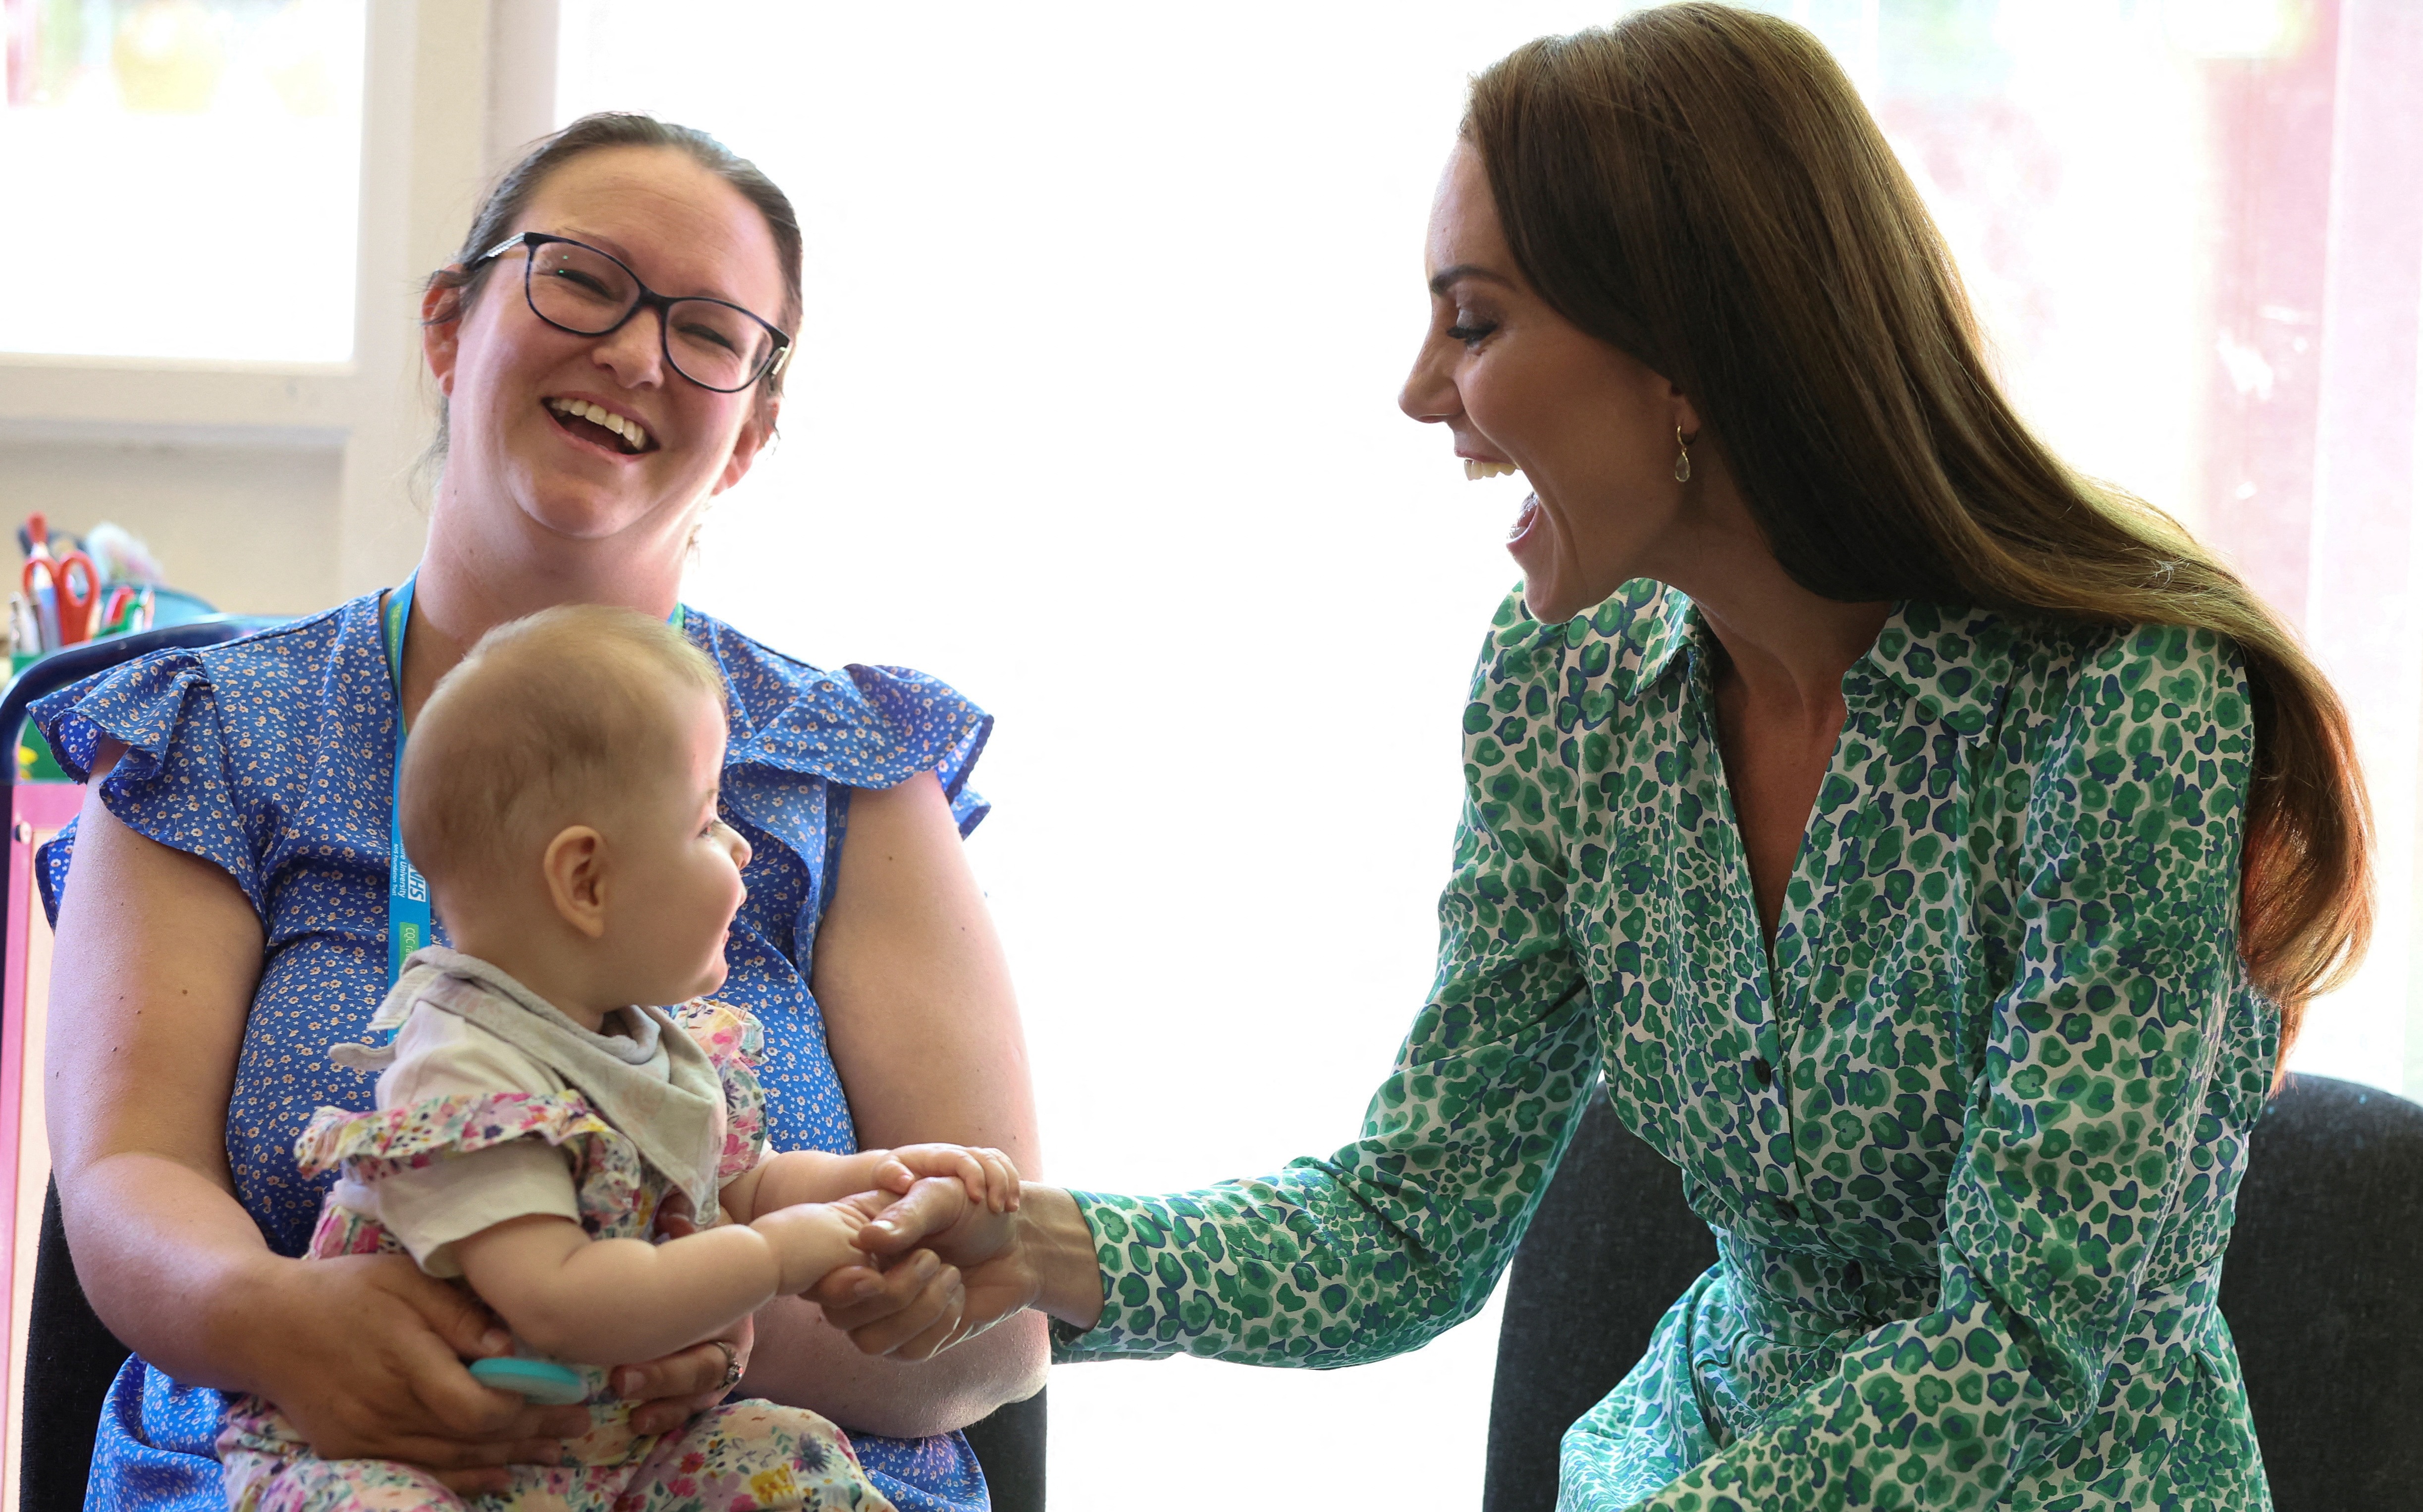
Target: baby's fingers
947, 1161
1000, 1175
968, 1169
894, 1177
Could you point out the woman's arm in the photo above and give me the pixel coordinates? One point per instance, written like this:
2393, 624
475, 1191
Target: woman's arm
924, 1033
1403, 1233
157, 958
1367, 1254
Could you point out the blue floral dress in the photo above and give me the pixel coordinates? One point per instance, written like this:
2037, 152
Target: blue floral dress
273, 757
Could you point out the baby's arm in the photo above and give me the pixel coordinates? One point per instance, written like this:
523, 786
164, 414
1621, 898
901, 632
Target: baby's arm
611, 1301
813, 1177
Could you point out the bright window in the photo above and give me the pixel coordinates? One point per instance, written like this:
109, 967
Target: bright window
194, 167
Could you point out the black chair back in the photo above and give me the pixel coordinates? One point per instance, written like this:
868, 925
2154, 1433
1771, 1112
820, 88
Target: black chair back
70, 1355
2323, 1291
1613, 1245
2322, 1288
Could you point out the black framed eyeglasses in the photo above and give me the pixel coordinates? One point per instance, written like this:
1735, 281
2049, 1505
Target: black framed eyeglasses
574, 287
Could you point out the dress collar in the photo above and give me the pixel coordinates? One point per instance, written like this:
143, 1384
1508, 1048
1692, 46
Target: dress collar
1954, 662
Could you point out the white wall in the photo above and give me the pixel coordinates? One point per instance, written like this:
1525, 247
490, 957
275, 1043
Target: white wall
252, 528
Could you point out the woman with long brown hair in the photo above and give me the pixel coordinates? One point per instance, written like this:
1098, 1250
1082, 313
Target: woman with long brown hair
1934, 850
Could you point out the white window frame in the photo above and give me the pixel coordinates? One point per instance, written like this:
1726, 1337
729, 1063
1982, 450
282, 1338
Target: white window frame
451, 89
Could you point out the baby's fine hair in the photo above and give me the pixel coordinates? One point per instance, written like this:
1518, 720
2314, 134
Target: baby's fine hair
547, 721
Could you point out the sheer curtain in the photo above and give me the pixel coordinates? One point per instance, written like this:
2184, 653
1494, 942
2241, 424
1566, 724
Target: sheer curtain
1094, 416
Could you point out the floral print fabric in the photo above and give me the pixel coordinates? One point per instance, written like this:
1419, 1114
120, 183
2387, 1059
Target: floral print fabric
741, 1456
273, 757
738, 1457
1970, 1144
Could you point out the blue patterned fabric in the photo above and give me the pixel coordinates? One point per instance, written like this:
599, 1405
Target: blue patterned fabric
273, 757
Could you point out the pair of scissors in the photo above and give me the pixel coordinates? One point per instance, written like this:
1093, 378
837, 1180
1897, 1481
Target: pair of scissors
76, 584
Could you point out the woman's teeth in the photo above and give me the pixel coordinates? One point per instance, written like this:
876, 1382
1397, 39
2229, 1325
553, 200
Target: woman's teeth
1523, 517
1479, 470
580, 409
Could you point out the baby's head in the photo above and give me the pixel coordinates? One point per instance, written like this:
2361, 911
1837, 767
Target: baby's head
559, 793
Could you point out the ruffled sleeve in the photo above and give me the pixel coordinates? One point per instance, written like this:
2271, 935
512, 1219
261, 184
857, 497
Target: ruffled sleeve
177, 782
875, 727
802, 736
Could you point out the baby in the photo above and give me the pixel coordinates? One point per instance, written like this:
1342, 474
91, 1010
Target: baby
535, 1118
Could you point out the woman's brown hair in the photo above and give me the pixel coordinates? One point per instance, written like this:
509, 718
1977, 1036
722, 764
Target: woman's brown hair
1700, 187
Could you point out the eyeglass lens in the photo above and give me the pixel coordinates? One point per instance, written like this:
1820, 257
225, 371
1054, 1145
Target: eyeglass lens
588, 292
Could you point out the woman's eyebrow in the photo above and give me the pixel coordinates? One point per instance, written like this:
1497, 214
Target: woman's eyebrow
622, 254
1446, 278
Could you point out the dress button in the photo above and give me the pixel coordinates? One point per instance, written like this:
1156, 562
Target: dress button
1784, 1209
1759, 1071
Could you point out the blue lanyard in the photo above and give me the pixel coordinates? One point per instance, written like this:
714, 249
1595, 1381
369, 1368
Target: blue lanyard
407, 892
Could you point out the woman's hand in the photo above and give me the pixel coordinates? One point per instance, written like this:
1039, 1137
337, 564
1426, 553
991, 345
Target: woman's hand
1040, 1255
366, 1359
923, 1027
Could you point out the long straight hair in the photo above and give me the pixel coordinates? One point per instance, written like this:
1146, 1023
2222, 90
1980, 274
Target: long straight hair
1700, 187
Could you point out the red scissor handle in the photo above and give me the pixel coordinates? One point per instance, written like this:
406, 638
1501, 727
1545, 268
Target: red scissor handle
77, 583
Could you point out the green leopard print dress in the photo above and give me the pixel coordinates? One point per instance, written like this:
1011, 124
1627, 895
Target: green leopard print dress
1970, 1147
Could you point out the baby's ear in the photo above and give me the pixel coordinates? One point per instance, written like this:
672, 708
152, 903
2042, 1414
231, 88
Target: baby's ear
575, 866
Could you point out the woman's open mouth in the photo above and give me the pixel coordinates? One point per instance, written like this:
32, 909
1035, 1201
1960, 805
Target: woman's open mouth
599, 426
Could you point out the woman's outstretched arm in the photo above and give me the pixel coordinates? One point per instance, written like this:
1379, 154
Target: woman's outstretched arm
925, 1032
1401, 1235
157, 958
1365, 1254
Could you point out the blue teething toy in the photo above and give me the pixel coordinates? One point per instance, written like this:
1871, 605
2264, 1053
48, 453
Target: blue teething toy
543, 1381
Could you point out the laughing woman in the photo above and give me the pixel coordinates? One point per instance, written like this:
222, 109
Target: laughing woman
609, 345
1932, 850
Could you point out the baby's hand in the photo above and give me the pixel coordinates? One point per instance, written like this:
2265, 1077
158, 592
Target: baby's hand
810, 1239
990, 1177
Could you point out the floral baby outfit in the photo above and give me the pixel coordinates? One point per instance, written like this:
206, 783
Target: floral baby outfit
492, 1104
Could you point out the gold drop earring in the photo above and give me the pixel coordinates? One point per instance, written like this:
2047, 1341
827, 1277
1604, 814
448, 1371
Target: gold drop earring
1682, 457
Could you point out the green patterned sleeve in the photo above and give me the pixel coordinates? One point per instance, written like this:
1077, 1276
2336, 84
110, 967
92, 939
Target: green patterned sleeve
1399, 1236
2085, 1220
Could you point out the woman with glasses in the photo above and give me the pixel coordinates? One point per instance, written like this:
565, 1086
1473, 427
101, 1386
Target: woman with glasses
1930, 851
609, 353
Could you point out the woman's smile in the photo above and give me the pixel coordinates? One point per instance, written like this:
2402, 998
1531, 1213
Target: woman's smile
600, 426
1525, 390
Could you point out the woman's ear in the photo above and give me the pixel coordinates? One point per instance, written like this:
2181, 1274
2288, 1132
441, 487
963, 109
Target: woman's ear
755, 432
441, 327
1686, 414
575, 866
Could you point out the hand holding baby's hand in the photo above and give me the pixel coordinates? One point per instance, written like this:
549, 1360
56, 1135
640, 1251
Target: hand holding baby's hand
989, 1177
